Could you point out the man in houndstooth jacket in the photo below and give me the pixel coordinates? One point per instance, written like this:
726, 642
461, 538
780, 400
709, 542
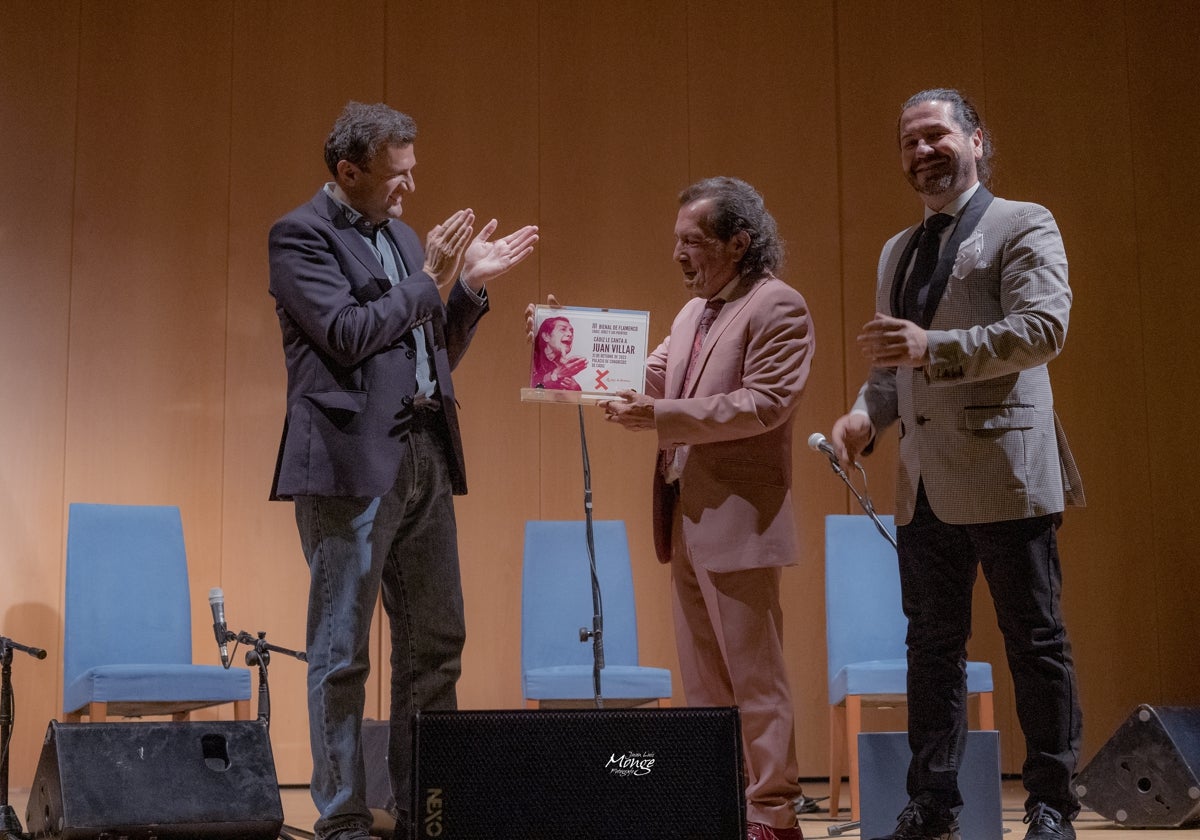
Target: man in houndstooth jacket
959, 354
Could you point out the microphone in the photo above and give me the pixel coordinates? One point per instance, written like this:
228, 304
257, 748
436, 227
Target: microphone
818, 443
216, 600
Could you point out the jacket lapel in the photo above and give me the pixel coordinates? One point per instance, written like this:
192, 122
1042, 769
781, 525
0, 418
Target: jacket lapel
902, 270
968, 220
742, 293
351, 239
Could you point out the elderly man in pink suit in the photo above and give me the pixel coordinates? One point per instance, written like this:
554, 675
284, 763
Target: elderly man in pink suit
721, 393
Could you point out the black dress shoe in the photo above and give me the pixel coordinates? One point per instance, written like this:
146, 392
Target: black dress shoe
806, 804
1047, 824
920, 822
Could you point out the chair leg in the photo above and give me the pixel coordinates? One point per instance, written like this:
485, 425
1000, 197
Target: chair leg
241, 710
73, 717
837, 746
97, 712
987, 711
853, 727
664, 702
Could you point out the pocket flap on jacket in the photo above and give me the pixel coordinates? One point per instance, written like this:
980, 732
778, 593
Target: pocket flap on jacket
993, 417
352, 401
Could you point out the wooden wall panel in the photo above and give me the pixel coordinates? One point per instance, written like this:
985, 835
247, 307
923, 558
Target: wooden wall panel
296, 64
37, 129
1082, 48
613, 155
1163, 123
147, 331
761, 106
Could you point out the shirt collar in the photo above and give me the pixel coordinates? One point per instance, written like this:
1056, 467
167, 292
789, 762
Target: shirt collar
953, 208
357, 220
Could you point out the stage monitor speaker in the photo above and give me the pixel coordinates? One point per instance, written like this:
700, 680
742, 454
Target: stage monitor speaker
587, 774
375, 736
155, 781
1146, 775
883, 759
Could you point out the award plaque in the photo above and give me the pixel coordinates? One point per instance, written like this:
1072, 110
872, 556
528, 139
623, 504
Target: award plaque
584, 355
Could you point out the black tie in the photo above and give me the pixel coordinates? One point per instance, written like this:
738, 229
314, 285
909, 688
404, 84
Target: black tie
916, 290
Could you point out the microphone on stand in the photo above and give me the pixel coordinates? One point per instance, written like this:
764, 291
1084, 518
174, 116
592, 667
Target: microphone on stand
818, 443
216, 600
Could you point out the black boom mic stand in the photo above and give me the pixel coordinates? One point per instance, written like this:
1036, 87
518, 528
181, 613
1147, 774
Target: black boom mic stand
260, 655
596, 634
10, 825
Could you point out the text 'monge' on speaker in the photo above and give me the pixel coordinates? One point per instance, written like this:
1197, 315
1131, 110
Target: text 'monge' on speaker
1148, 773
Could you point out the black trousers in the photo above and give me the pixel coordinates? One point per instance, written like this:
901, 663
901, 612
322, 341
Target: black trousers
1020, 563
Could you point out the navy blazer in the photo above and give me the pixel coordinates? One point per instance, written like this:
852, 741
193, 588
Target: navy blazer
350, 355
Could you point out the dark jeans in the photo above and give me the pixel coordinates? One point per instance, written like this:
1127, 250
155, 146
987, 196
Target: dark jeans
405, 545
1020, 563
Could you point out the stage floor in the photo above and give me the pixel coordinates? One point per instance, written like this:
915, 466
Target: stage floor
299, 813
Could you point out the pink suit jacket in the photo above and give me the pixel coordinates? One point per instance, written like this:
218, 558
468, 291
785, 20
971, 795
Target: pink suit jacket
736, 424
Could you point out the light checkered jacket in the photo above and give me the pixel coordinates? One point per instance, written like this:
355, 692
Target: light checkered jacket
977, 423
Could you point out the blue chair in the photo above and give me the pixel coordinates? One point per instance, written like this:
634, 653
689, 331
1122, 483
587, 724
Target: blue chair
556, 602
127, 643
865, 630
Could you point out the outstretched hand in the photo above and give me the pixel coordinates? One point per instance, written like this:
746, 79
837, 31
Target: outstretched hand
630, 409
486, 259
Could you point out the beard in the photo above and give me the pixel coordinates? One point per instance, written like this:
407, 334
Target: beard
944, 176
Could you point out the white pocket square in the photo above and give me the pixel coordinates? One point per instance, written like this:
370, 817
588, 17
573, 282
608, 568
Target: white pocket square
969, 256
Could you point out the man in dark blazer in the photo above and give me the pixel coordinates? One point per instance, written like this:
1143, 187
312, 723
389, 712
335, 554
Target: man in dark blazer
721, 395
371, 454
971, 305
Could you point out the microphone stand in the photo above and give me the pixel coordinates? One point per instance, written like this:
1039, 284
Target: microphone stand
10, 824
260, 655
596, 634
864, 501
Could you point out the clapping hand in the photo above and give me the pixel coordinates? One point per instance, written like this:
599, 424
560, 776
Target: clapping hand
486, 259
446, 245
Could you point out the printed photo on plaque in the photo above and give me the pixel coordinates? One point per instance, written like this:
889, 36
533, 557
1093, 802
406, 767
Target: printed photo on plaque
586, 355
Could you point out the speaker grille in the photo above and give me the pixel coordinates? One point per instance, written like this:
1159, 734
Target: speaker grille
584, 774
